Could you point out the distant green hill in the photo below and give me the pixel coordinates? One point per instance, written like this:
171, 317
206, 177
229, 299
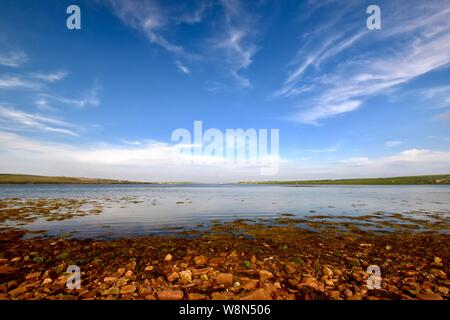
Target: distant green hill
33, 179
414, 180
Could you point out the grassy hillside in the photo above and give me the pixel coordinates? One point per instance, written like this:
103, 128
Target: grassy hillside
33, 179
414, 180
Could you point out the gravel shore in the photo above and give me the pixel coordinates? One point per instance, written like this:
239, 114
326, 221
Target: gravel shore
257, 263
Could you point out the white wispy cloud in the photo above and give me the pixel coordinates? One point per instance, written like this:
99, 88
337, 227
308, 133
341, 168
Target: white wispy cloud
17, 82
214, 86
325, 110
133, 143
421, 44
315, 150
391, 144
182, 67
43, 104
89, 98
51, 77
32, 81
236, 40
311, 59
13, 58
438, 96
332, 149
17, 119
151, 18
193, 15
409, 156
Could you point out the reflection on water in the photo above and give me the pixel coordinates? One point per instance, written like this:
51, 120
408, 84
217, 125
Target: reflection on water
151, 209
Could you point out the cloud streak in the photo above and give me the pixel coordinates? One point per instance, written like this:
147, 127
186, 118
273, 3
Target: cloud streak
151, 18
17, 82
33, 81
21, 120
89, 98
236, 41
13, 59
420, 45
391, 144
51, 77
182, 67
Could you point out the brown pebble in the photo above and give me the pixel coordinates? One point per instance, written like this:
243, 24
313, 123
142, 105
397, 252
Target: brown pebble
429, 296
128, 289
225, 279
250, 284
168, 257
172, 277
258, 294
197, 296
264, 275
170, 295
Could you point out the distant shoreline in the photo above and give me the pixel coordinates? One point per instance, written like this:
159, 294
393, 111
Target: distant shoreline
36, 179
443, 179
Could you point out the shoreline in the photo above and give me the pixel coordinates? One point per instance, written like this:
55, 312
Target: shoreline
27, 179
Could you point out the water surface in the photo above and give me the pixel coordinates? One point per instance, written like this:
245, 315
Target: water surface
153, 209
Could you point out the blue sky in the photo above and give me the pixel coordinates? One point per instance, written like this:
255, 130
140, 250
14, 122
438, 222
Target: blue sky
103, 101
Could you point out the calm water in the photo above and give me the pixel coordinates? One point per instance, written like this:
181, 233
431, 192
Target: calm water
158, 209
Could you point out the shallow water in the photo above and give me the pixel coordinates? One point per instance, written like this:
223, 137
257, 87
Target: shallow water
131, 210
